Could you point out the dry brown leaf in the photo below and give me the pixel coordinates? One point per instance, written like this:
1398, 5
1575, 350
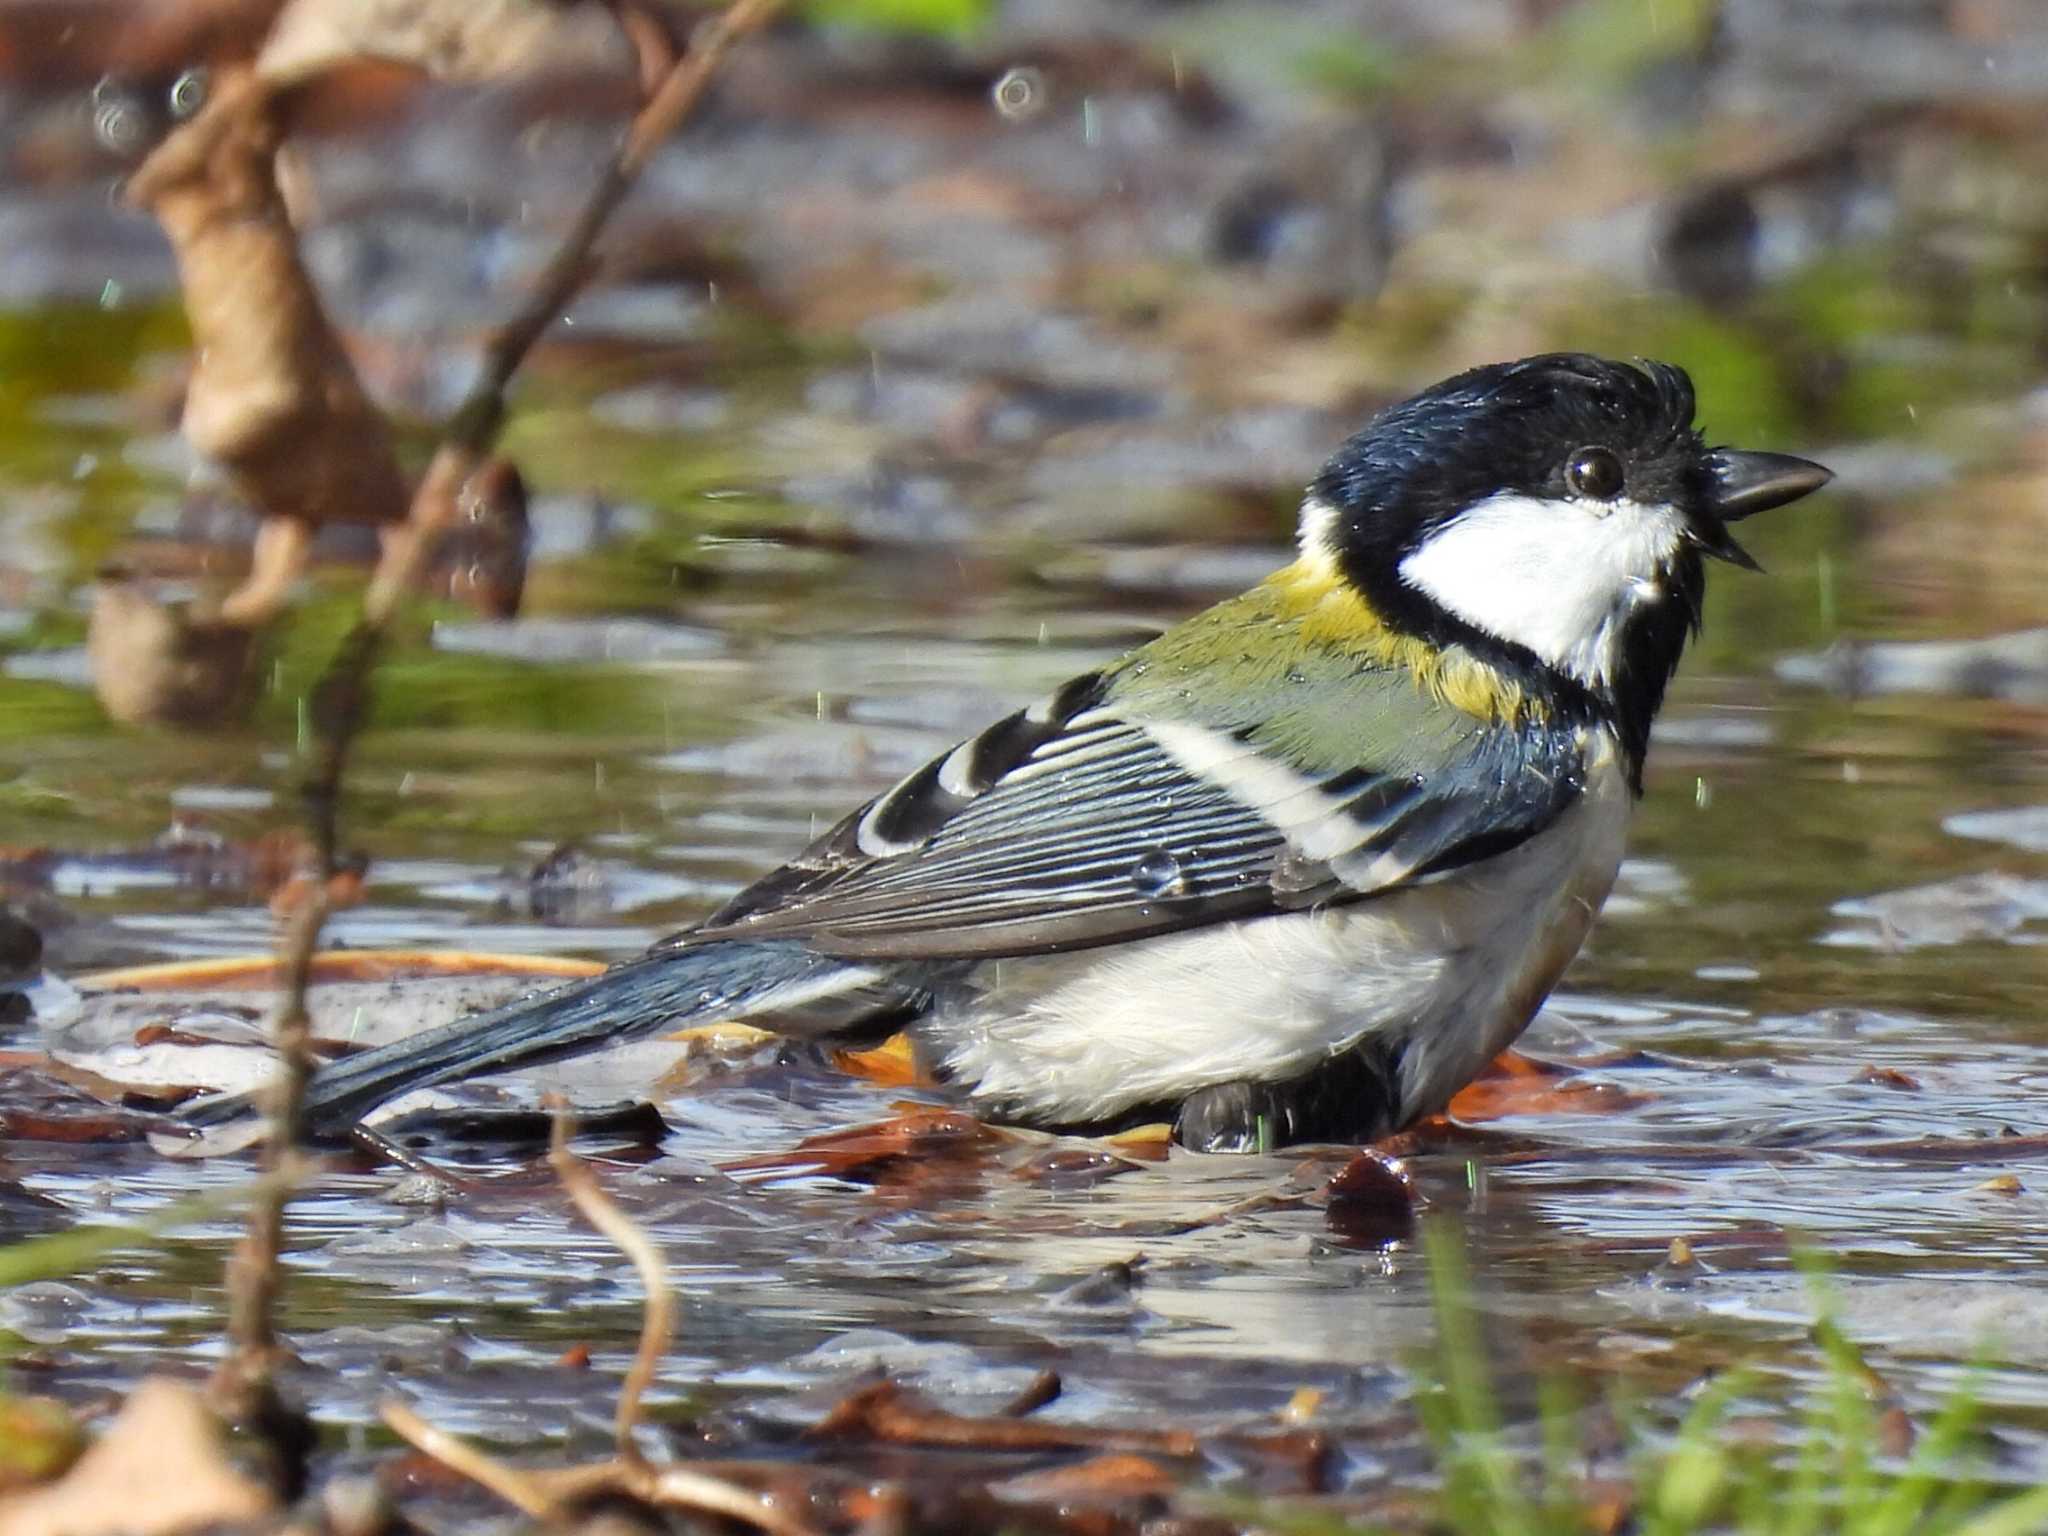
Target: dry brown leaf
153, 661
921, 1132
449, 39
158, 1469
482, 558
273, 397
893, 1063
1514, 1084
889, 1412
1109, 1479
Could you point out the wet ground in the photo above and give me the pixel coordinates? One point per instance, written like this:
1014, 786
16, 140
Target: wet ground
897, 411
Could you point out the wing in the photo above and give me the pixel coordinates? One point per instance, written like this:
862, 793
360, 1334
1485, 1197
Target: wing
1085, 821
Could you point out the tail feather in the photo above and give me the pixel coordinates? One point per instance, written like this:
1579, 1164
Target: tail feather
672, 989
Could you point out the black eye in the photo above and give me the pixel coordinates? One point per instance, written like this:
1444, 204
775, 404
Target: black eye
1594, 472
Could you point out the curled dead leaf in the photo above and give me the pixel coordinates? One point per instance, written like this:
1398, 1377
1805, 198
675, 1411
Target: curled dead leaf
159, 663
273, 396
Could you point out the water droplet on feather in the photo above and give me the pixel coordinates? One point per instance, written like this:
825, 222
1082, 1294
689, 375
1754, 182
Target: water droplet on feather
1159, 873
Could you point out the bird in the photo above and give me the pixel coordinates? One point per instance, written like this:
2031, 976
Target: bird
1298, 868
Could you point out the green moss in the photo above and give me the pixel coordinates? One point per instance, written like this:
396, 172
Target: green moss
1352, 68
942, 18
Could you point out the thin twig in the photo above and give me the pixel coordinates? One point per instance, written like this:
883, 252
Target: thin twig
458, 1455
341, 698
547, 1494
473, 429
686, 1488
341, 701
245, 1380
475, 425
368, 1138
657, 1318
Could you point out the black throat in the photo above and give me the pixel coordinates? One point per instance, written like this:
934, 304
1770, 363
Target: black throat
1517, 427
1652, 641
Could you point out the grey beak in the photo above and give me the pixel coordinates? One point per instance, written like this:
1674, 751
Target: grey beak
1743, 484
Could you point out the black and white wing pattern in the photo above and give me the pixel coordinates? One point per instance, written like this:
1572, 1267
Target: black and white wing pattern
1080, 822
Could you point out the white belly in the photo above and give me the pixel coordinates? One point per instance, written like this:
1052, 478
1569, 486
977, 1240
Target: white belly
1454, 968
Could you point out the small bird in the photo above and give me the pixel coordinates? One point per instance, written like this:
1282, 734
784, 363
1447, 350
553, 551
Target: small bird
1297, 869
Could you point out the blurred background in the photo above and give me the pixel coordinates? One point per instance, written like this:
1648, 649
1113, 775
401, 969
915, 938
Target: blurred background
958, 344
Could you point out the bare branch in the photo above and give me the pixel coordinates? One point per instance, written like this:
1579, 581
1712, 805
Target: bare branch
458, 1455
657, 1324
341, 702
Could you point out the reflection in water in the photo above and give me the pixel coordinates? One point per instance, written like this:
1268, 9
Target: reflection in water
824, 517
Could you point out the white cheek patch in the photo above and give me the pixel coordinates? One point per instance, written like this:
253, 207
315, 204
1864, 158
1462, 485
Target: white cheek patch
1317, 532
1559, 577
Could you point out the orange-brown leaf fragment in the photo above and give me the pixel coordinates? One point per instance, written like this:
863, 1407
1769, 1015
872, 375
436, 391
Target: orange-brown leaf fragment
1107, 1479
891, 1063
885, 1411
921, 1131
1533, 1088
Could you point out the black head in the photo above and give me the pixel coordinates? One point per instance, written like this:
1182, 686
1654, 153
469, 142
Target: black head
1550, 513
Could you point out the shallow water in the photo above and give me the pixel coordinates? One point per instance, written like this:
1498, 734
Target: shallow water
775, 568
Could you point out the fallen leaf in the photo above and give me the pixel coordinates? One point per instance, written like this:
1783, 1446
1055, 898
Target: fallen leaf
1553, 1091
39, 1439
1099, 1480
1074, 1166
481, 561
159, 1469
883, 1410
1151, 1143
1370, 1200
158, 662
1302, 1406
920, 1132
273, 396
893, 1063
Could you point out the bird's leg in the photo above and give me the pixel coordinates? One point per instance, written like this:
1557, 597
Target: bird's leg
1352, 1098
